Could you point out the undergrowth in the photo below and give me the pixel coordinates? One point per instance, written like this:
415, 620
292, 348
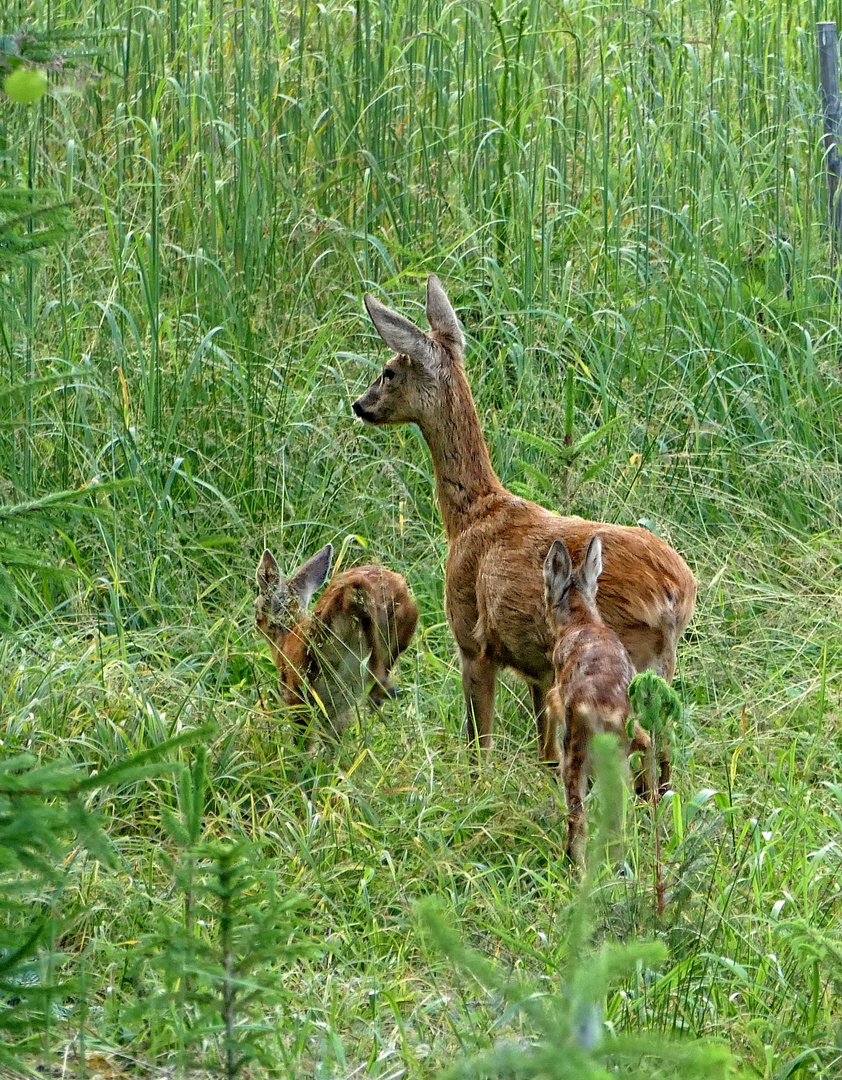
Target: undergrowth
627, 210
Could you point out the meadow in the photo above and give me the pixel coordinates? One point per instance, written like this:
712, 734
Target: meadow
627, 207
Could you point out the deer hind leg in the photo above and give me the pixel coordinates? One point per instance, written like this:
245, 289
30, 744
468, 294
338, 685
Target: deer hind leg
663, 664
664, 772
401, 628
395, 628
547, 711
479, 678
665, 667
640, 745
378, 655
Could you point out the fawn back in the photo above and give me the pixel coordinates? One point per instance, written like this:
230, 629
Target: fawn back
592, 672
497, 542
346, 646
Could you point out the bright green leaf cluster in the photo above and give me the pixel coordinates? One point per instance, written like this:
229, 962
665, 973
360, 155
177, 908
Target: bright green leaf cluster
26, 85
654, 703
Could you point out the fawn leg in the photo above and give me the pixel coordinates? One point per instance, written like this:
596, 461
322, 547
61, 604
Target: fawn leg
576, 788
479, 678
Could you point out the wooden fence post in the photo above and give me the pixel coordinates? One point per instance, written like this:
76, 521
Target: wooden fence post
832, 110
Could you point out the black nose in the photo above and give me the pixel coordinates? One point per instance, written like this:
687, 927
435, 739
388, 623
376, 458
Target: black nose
358, 409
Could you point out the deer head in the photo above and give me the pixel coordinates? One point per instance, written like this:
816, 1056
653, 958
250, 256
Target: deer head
563, 584
281, 603
410, 386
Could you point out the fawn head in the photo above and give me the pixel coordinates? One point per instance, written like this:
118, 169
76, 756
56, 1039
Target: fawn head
566, 589
281, 603
409, 387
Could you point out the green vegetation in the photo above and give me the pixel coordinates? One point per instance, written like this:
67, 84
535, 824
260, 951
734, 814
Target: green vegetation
627, 207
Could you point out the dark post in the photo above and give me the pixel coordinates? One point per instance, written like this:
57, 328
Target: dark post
832, 109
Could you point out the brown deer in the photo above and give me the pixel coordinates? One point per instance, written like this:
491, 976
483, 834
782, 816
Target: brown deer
590, 692
494, 596
364, 620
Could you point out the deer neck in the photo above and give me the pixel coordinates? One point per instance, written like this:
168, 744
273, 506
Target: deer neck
464, 476
582, 613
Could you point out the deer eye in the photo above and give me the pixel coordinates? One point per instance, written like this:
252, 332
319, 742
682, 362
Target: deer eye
388, 374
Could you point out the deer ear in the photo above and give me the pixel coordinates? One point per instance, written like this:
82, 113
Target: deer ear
592, 566
440, 313
399, 333
557, 573
311, 575
268, 574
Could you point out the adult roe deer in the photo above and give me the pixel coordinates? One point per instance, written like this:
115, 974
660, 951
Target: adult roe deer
497, 542
365, 614
592, 672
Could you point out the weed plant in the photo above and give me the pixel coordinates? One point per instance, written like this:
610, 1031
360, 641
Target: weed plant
572, 1042
627, 208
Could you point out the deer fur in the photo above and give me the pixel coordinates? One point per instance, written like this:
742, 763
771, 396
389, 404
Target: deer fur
494, 595
366, 616
592, 672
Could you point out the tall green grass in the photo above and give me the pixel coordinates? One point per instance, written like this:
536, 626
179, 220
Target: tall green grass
627, 207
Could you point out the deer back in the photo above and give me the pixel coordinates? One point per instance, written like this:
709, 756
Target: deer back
593, 672
495, 597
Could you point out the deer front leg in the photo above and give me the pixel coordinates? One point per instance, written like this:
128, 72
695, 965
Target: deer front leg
479, 677
549, 716
546, 721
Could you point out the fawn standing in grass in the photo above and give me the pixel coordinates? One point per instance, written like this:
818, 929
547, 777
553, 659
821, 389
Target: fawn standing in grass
365, 616
494, 596
590, 694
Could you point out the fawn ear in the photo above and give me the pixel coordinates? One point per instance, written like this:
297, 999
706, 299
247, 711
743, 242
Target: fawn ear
398, 332
557, 573
592, 566
268, 573
311, 575
440, 313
